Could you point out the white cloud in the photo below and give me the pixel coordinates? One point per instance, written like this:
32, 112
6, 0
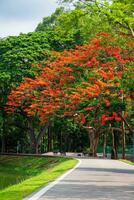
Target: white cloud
23, 15
16, 27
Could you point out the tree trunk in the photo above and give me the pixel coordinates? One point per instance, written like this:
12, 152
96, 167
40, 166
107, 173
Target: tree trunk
3, 134
2, 144
35, 141
35, 146
50, 140
104, 145
93, 137
114, 146
61, 142
123, 140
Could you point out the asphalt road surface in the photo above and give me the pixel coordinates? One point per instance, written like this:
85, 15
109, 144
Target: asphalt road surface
95, 179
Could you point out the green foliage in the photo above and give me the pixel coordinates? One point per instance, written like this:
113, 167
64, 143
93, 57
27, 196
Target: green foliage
118, 13
58, 43
48, 23
117, 106
17, 54
78, 24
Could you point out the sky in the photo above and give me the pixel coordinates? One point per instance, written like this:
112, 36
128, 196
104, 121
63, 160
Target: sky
22, 16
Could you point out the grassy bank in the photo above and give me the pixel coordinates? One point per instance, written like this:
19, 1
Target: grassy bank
128, 162
19, 176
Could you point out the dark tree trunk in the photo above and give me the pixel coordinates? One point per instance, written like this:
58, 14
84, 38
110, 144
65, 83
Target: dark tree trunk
114, 154
3, 134
35, 140
123, 141
32, 137
61, 141
104, 145
50, 140
3, 148
34, 147
93, 137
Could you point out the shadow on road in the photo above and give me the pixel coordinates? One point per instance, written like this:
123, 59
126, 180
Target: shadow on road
87, 192
122, 171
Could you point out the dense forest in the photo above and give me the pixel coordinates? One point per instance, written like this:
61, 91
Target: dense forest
69, 85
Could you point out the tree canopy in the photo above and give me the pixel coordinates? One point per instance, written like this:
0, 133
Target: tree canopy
86, 84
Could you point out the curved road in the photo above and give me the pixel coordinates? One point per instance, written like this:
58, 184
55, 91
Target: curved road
95, 179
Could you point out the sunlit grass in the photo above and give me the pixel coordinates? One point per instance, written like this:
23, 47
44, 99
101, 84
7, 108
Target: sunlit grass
29, 173
127, 161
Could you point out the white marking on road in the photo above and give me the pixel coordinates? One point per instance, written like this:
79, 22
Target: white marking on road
42, 191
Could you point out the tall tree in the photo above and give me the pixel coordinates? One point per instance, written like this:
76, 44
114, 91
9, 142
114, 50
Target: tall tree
84, 84
17, 55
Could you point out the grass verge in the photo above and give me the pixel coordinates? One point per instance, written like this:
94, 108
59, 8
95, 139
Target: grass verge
43, 177
128, 162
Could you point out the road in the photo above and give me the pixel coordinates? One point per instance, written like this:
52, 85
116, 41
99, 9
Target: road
95, 179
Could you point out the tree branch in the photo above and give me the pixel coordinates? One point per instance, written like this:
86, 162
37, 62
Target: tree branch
132, 31
126, 123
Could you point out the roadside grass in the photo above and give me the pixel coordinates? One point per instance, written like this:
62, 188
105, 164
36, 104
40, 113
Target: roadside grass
27, 174
127, 161
14, 169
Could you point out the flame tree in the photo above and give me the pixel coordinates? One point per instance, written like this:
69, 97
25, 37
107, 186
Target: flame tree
91, 84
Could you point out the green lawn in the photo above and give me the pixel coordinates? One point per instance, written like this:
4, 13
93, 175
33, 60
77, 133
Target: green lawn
19, 176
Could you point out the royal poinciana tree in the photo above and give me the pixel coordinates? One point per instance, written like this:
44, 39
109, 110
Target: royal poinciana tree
91, 84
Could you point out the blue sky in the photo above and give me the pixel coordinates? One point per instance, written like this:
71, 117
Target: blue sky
22, 16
